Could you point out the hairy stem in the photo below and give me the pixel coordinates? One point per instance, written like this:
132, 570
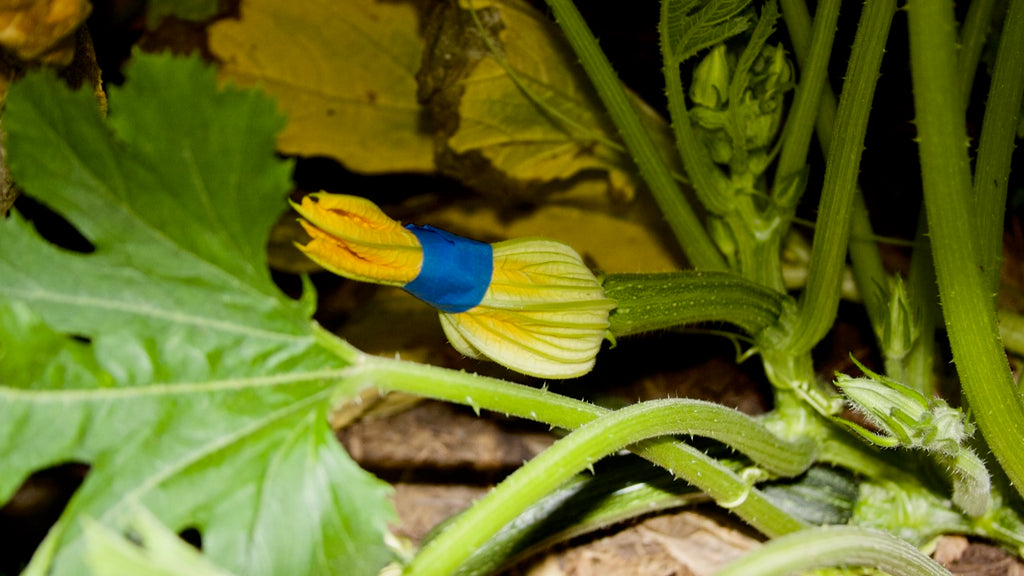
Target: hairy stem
479, 392
833, 547
688, 229
648, 302
578, 451
968, 308
865, 258
820, 299
995, 151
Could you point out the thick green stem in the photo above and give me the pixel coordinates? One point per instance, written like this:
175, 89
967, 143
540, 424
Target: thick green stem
689, 231
479, 392
648, 302
584, 446
995, 151
966, 298
831, 547
865, 257
820, 299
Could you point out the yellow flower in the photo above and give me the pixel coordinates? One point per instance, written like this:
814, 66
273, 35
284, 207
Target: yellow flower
353, 238
529, 304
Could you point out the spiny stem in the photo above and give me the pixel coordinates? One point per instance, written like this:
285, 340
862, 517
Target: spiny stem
820, 299
575, 453
966, 299
648, 302
688, 463
835, 546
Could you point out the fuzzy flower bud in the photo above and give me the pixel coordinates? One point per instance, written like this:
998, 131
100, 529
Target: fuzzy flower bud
898, 331
903, 414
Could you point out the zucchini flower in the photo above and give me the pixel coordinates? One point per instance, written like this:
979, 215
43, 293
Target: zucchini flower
529, 304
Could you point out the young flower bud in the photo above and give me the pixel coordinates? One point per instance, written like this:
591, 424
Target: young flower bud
898, 331
903, 414
711, 78
531, 305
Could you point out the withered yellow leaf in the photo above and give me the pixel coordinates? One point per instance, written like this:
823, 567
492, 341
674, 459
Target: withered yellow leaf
343, 72
514, 107
42, 30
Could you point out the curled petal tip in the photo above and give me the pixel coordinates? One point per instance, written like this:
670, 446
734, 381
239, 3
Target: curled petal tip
352, 237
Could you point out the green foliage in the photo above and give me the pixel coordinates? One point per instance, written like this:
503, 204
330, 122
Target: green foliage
168, 361
194, 388
148, 549
694, 25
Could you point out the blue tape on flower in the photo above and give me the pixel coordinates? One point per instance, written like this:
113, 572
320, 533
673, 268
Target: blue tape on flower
456, 271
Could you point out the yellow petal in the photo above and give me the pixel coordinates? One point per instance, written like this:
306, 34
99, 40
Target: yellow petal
544, 314
353, 238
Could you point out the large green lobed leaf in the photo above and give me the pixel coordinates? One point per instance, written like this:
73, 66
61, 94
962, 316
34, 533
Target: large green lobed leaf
195, 389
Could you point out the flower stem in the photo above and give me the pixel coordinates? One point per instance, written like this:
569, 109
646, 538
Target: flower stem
578, 451
688, 463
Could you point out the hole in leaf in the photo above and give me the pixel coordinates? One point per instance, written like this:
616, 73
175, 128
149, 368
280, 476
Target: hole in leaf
54, 227
193, 537
33, 509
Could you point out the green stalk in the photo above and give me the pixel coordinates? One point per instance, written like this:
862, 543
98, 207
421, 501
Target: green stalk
995, 151
688, 230
622, 490
1011, 329
578, 451
919, 365
802, 116
688, 463
972, 41
648, 302
966, 297
820, 299
696, 160
833, 547
865, 258
866, 261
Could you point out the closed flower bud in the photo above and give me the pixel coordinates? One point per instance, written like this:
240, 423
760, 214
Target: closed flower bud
898, 331
904, 415
711, 79
531, 305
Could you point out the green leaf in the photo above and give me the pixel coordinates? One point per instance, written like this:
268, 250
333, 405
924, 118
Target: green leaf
194, 388
157, 552
694, 25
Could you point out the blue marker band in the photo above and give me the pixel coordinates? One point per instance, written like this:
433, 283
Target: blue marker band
456, 271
